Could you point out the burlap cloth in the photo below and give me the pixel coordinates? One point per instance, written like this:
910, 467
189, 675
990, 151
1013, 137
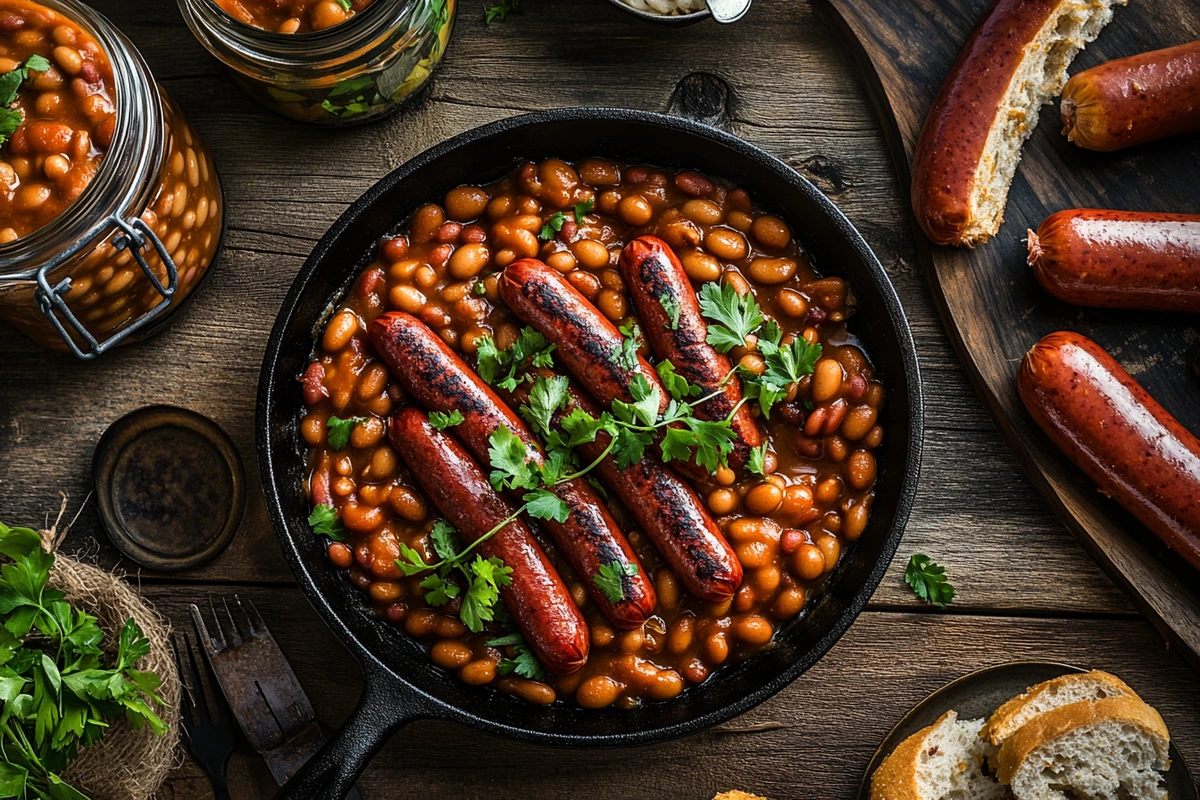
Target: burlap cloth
126, 764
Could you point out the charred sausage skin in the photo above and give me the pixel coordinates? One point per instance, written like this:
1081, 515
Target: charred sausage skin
1119, 435
536, 598
441, 381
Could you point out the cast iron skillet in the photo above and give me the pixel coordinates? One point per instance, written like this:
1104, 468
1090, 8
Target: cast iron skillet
401, 684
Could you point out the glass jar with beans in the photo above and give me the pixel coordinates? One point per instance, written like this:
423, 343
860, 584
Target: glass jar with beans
326, 62
110, 207
459, 274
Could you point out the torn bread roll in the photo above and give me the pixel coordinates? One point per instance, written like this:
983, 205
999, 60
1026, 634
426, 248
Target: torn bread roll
1015, 61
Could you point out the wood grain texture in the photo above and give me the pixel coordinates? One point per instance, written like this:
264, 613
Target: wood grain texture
1027, 589
993, 307
813, 740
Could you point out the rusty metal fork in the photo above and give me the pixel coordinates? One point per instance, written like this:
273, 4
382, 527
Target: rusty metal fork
266, 697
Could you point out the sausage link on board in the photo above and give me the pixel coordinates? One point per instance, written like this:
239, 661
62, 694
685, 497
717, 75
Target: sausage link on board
1118, 434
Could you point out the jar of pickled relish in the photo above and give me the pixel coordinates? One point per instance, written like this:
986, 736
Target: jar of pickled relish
111, 211
330, 62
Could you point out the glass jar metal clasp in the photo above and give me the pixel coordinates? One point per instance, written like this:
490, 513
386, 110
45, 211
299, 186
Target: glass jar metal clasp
52, 301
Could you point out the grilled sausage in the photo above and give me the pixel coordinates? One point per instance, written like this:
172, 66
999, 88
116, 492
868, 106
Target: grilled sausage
1118, 434
1119, 259
670, 513
585, 341
536, 598
656, 281
969, 148
441, 381
1134, 100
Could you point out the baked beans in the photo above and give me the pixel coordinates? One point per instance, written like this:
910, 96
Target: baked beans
788, 527
69, 115
292, 16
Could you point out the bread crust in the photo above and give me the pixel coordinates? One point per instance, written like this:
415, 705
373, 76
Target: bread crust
994, 729
953, 142
896, 778
1053, 724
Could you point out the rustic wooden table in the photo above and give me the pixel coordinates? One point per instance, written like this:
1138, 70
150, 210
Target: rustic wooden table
1026, 589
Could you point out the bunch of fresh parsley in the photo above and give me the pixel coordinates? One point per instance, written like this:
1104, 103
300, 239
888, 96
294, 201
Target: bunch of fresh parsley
10, 83
56, 693
928, 580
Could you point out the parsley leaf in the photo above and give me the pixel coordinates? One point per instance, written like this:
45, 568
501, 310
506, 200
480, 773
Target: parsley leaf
756, 461
552, 226
479, 289
544, 504
610, 579
583, 209
324, 521
630, 446
345, 4
337, 431
791, 363
670, 305
626, 353
442, 421
488, 577
508, 456
646, 401
524, 662
928, 580
677, 385
581, 427
737, 316
500, 11
546, 397
438, 590
444, 539
491, 362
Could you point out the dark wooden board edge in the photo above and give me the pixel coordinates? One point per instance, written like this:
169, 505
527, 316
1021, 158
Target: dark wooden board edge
1175, 612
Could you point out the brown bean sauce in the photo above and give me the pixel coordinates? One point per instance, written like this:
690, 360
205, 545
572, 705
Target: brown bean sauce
789, 529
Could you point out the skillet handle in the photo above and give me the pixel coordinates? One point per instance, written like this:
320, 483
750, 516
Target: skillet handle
333, 770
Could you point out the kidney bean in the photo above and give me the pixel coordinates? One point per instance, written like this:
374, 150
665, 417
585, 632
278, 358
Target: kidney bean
837, 412
694, 184
313, 388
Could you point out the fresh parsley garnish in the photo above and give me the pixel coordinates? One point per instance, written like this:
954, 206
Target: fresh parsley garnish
583, 209
500, 11
442, 421
756, 461
547, 396
928, 580
785, 365
610, 579
346, 5
479, 289
10, 83
737, 316
337, 431
677, 385
492, 362
523, 662
324, 521
59, 689
544, 504
626, 353
670, 305
552, 226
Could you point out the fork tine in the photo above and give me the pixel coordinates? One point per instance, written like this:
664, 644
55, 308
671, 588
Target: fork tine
199, 698
187, 679
256, 624
207, 641
233, 634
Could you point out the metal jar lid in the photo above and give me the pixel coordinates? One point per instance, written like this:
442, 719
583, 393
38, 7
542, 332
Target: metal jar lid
170, 487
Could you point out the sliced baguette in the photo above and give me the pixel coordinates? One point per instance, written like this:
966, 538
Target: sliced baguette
1061, 691
735, 794
941, 762
1110, 749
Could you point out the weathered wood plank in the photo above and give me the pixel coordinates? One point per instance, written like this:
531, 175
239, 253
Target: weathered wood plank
812, 740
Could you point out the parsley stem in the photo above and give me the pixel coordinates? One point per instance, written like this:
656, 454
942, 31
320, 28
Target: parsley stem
611, 443
457, 560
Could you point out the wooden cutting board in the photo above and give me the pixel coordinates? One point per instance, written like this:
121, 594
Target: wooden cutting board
993, 308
